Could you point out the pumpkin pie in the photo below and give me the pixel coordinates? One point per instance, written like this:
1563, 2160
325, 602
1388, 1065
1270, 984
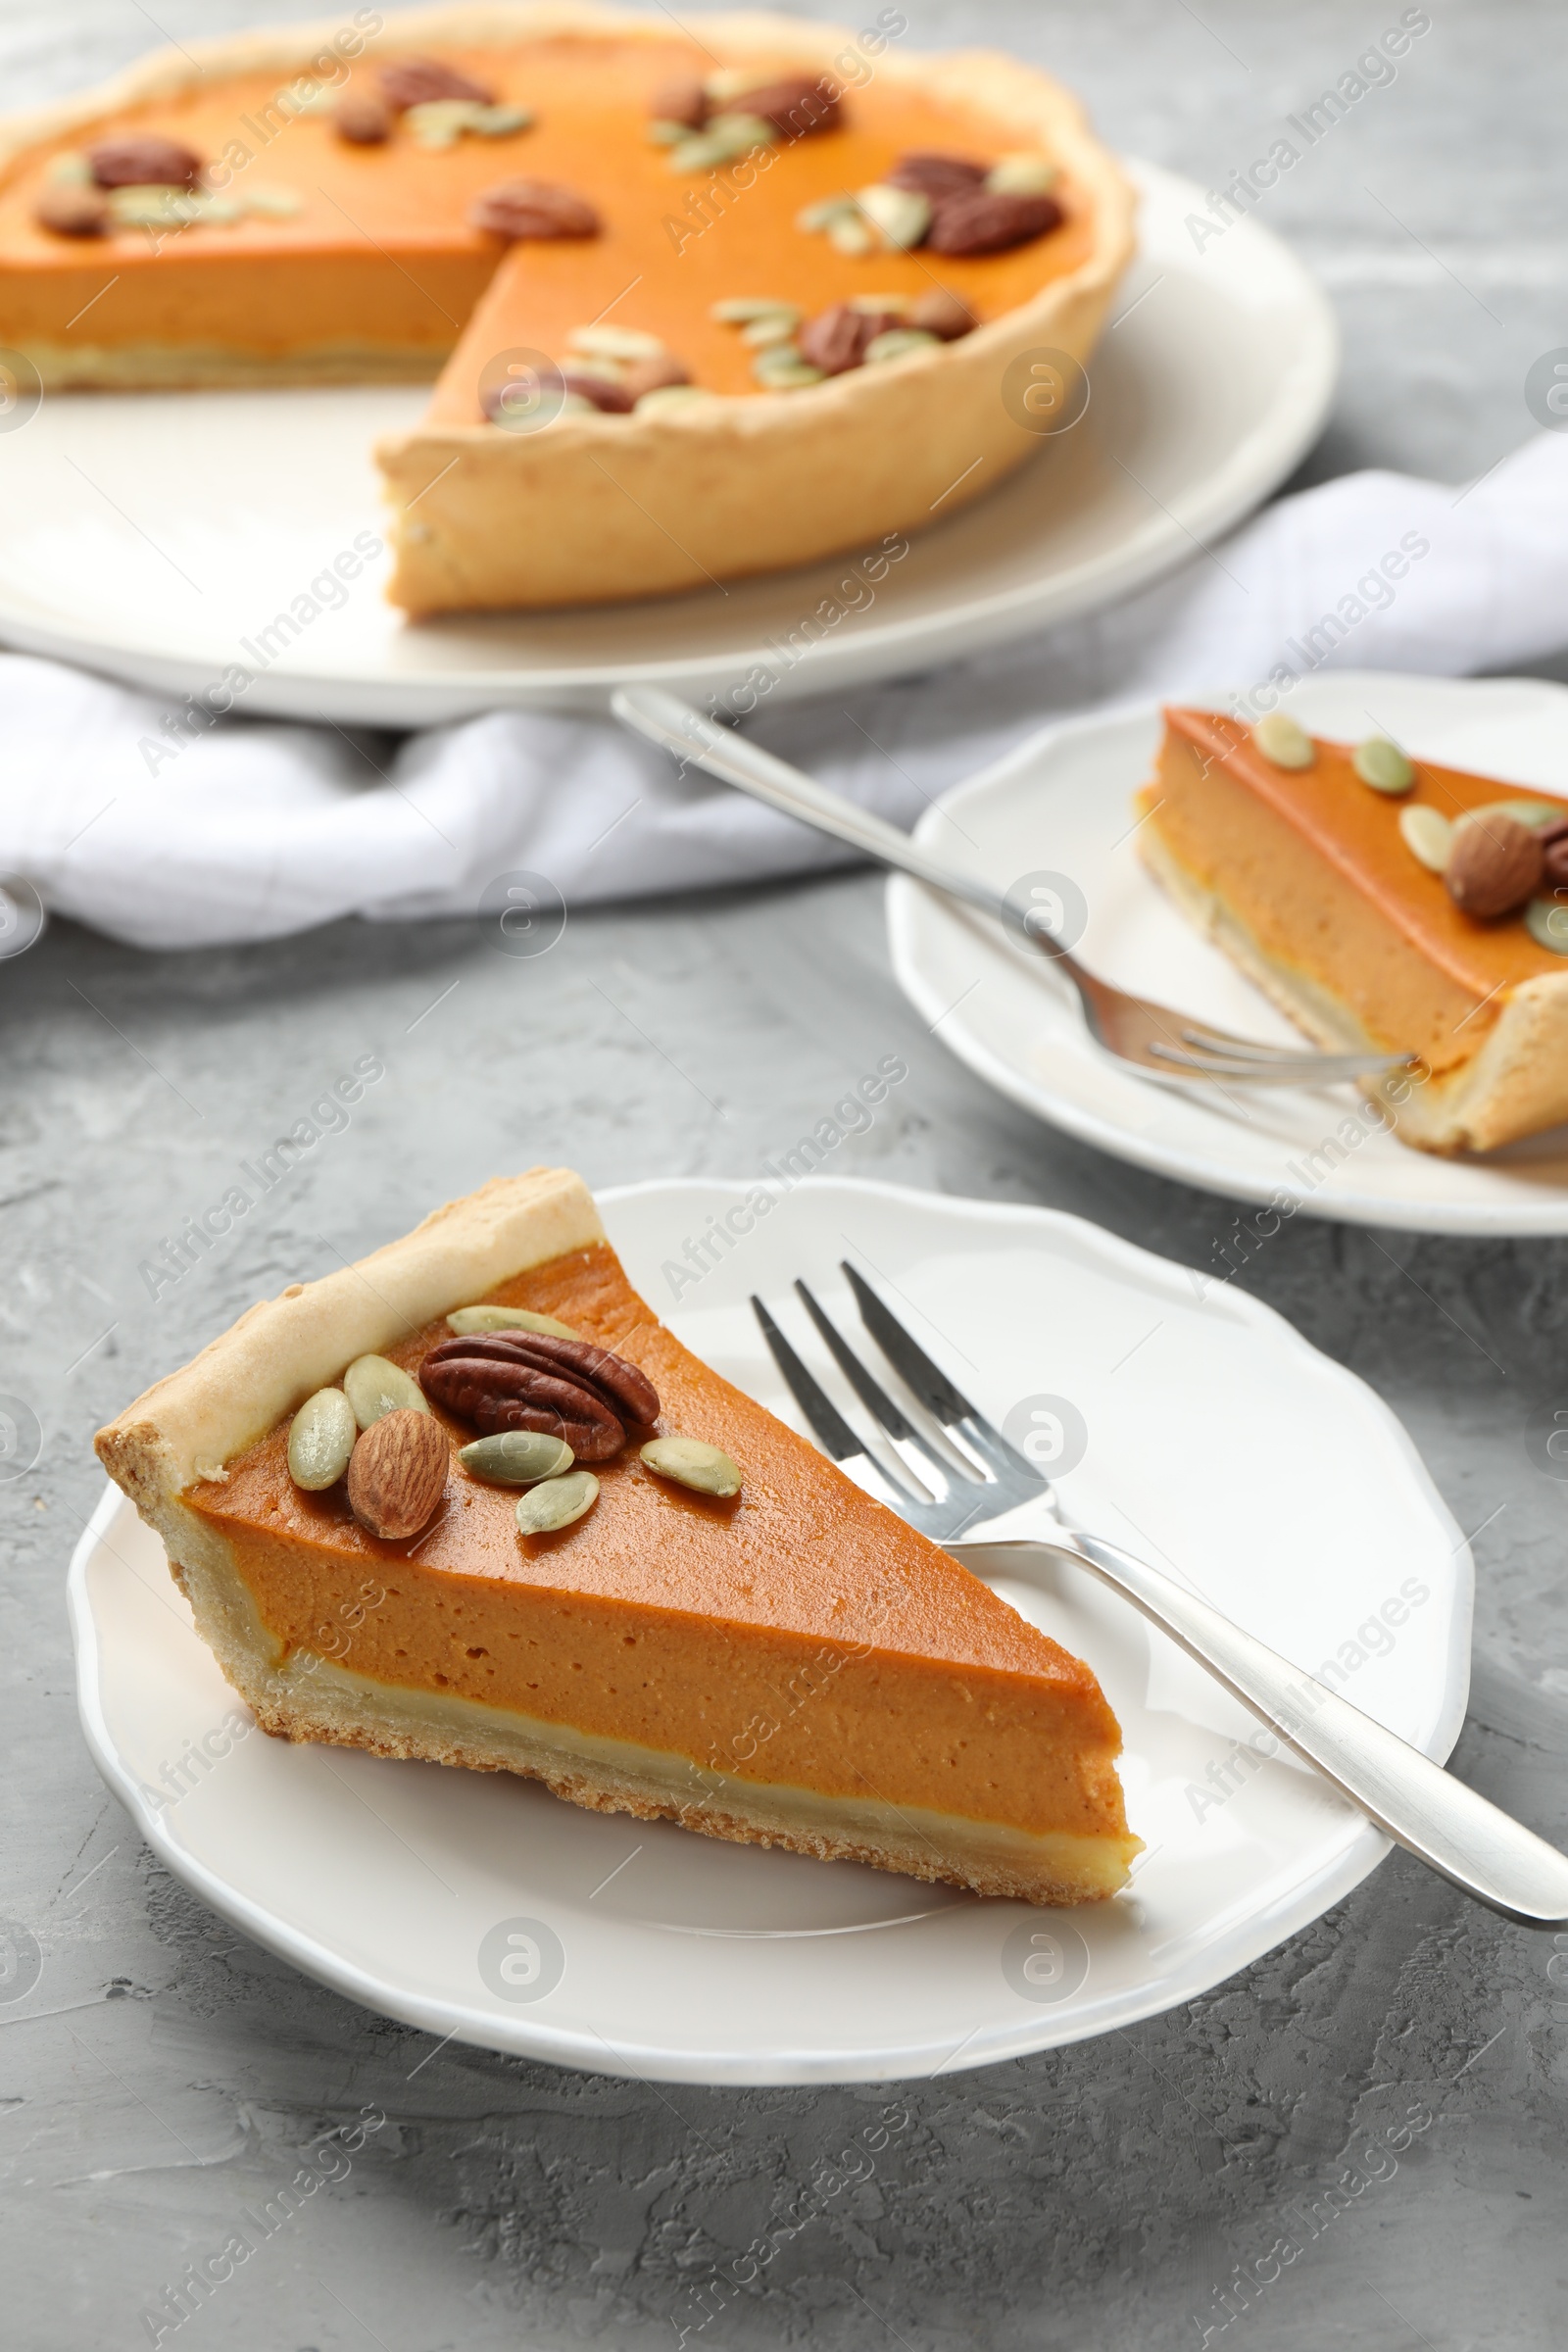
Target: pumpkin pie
1380, 901
698, 1618
696, 308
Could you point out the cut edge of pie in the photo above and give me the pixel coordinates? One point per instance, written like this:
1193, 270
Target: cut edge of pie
240, 1388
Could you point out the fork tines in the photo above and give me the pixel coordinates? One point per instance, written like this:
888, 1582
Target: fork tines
943, 1478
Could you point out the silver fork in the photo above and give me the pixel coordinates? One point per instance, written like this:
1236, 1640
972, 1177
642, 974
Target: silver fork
1150, 1038
955, 1479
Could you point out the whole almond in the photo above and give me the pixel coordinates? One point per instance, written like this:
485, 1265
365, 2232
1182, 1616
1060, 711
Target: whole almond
654, 376
361, 119
683, 101
943, 314
69, 210
1493, 866
398, 1473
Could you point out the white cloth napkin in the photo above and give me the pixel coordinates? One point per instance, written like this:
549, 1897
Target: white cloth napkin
261, 828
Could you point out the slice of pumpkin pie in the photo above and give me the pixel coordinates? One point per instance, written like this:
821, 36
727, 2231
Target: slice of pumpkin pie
1380, 900
471, 1501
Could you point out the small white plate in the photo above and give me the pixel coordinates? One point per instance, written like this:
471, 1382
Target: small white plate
1063, 803
1217, 1440
154, 535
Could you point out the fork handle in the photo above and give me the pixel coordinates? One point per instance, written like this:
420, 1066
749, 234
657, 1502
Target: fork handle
664, 719
1413, 1800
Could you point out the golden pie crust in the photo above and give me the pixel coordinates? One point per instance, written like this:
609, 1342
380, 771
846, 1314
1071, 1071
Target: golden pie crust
594, 507
799, 1668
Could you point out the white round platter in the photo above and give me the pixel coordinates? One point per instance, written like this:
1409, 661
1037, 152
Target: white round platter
1218, 1440
1064, 802
158, 536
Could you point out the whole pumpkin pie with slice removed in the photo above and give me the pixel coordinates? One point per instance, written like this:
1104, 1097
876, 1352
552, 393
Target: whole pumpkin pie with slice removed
691, 1614
1380, 900
699, 307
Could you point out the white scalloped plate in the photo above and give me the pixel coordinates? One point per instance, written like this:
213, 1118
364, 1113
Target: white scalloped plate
151, 534
1216, 1435
1064, 802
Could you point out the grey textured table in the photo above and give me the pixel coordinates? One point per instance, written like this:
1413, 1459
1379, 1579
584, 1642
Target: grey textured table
1382, 2095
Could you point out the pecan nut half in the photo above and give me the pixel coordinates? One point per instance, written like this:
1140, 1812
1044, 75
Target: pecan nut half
533, 208
797, 106
985, 221
836, 340
526, 1380
931, 174
417, 81
143, 160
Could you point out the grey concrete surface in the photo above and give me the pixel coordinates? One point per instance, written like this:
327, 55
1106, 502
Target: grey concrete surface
162, 2073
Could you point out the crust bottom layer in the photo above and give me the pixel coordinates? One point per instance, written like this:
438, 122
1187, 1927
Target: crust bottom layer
615, 1776
1516, 1084
216, 367
301, 1698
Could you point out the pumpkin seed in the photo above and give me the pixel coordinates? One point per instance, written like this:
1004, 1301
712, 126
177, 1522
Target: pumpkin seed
320, 1438
897, 343
778, 327
782, 369
1547, 920
892, 304
673, 396
308, 98
74, 169
1021, 176
1428, 835
615, 343
741, 308
851, 234
822, 215
1283, 741
375, 1387
690, 1463
516, 1457
901, 215
660, 134
556, 1503
724, 139
442, 121
273, 204
1381, 765
727, 82
469, 1319
1525, 813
